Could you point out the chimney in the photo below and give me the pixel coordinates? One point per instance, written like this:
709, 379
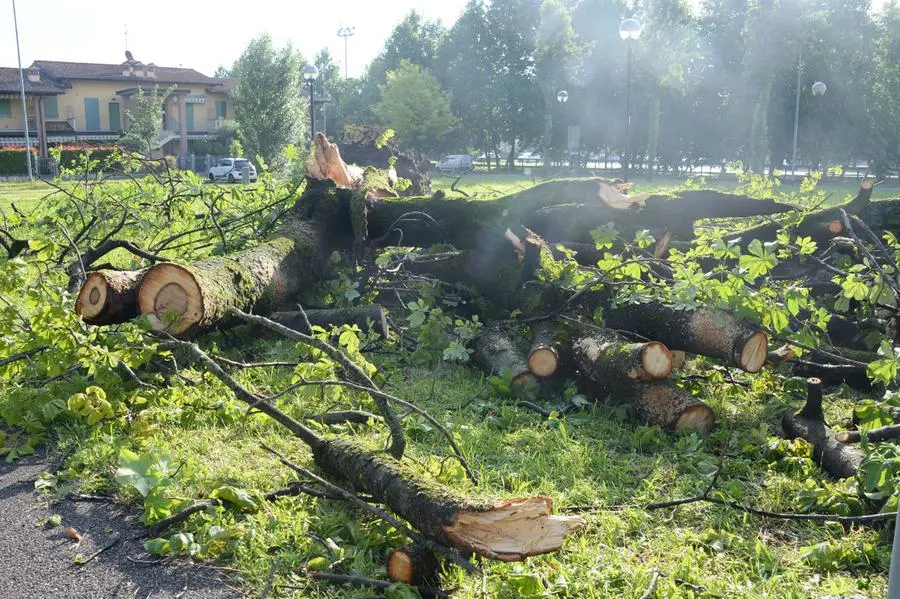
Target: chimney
34, 74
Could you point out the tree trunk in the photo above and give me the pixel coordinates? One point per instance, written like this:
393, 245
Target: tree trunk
705, 332
543, 358
836, 458
503, 530
189, 299
109, 296
370, 317
609, 360
667, 406
496, 353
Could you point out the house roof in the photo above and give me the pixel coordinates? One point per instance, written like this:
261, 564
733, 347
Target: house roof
10, 83
114, 72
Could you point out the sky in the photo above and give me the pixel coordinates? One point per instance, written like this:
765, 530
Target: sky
202, 35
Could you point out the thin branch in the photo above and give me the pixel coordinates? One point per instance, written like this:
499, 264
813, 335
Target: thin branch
398, 438
23, 355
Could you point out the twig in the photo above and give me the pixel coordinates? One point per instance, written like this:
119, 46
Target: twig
344, 416
398, 436
252, 364
23, 355
268, 587
181, 516
99, 551
652, 586
397, 523
884, 276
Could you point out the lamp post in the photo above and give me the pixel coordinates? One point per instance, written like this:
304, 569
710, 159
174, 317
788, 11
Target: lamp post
562, 96
629, 31
310, 73
818, 89
346, 32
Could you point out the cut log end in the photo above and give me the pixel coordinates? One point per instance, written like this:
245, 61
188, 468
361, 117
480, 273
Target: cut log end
92, 297
835, 227
170, 296
512, 530
524, 379
414, 565
543, 360
755, 352
700, 419
657, 360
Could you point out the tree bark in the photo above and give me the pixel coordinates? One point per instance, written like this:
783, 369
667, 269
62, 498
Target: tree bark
109, 296
609, 360
705, 332
891, 431
667, 406
371, 317
503, 530
189, 299
496, 353
836, 458
543, 358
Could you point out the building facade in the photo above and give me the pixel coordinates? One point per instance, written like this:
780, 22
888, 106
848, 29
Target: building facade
74, 101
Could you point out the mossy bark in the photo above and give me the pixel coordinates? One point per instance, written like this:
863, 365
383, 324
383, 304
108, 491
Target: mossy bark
610, 361
705, 332
254, 280
496, 353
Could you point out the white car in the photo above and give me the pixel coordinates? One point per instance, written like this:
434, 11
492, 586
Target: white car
231, 169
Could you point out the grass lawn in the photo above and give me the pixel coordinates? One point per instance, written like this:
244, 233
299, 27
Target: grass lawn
23, 194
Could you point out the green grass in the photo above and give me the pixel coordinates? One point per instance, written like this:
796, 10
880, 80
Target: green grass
23, 194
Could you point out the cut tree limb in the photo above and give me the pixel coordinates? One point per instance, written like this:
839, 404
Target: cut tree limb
496, 353
705, 332
609, 360
109, 296
892, 431
834, 457
189, 299
413, 564
363, 316
663, 404
543, 358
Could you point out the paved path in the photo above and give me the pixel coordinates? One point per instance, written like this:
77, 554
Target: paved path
36, 563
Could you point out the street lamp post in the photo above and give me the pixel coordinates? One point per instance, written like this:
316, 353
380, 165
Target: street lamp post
310, 73
346, 33
818, 89
562, 96
629, 31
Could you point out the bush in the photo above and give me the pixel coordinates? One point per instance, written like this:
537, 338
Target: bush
12, 161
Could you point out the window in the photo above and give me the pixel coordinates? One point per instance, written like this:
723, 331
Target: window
220, 109
51, 107
115, 118
5, 108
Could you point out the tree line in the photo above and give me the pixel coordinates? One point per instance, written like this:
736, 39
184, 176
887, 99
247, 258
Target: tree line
707, 86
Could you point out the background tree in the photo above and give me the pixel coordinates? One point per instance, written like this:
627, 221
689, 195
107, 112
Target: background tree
145, 121
269, 105
415, 107
326, 88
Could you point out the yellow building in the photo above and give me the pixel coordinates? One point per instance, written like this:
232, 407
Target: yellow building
77, 101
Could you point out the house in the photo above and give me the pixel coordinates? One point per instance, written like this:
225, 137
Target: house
74, 101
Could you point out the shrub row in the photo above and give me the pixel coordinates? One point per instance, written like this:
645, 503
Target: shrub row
12, 160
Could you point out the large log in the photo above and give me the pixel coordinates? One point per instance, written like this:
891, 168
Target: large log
192, 298
109, 296
543, 357
834, 457
611, 361
414, 565
706, 332
362, 316
663, 404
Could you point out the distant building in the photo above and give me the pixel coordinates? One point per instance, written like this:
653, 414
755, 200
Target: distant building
74, 101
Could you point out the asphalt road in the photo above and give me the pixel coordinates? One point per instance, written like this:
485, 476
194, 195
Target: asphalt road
37, 563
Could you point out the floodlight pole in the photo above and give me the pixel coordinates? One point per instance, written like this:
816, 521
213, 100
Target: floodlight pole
796, 118
22, 88
346, 32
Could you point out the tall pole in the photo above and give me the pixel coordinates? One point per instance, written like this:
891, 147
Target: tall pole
627, 162
312, 112
894, 575
796, 118
22, 87
346, 32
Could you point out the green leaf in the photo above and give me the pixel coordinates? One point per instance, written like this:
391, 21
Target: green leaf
239, 497
157, 546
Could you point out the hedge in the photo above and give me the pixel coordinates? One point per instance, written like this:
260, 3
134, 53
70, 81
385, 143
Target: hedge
12, 160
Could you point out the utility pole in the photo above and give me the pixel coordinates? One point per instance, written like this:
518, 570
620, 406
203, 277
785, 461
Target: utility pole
346, 33
22, 84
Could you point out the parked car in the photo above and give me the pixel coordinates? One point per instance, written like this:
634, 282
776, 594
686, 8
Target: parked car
529, 157
231, 169
455, 163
